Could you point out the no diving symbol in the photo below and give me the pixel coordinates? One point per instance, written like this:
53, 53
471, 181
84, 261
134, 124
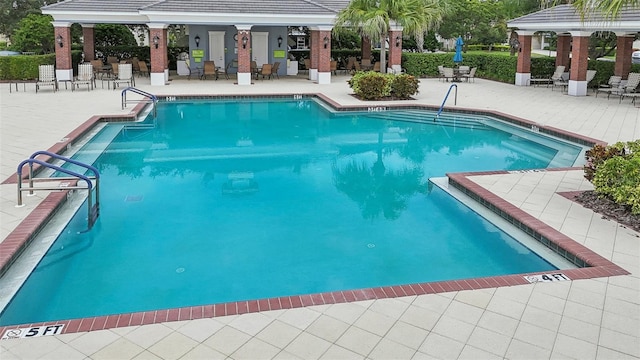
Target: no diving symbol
12, 334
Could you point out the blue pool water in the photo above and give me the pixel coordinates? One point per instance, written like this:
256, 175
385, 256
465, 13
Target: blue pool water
235, 200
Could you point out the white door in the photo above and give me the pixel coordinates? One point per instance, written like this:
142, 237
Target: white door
260, 47
216, 47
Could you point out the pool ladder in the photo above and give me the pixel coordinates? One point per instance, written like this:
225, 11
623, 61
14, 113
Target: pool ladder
93, 209
150, 98
455, 100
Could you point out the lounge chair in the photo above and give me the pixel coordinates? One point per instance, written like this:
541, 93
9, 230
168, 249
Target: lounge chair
630, 87
614, 82
46, 77
85, 77
125, 76
558, 77
209, 70
471, 75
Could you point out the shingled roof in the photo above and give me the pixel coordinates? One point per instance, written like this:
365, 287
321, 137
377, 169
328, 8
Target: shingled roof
564, 18
292, 12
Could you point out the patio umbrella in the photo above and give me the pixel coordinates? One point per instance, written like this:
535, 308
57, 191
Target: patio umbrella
457, 58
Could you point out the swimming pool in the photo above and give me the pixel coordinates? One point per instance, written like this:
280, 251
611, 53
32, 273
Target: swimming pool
316, 186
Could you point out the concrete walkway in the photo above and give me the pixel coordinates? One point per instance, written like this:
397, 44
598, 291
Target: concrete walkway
586, 319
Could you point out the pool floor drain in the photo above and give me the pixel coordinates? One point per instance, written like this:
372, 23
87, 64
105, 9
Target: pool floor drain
180, 270
371, 246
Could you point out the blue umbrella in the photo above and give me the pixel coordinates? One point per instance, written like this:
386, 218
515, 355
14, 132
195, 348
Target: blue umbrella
457, 58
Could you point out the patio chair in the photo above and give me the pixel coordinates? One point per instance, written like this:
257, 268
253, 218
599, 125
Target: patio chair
447, 73
99, 69
266, 71
441, 72
613, 82
125, 76
46, 77
254, 69
274, 69
307, 65
85, 77
366, 64
333, 67
463, 70
225, 71
143, 69
376, 66
209, 69
471, 75
351, 64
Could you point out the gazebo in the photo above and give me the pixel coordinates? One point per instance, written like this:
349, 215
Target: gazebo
219, 30
573, 41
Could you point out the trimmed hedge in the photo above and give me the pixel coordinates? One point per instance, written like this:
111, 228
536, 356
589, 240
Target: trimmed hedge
498, 67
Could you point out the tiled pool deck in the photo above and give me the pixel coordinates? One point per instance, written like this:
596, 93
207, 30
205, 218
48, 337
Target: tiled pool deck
592, 318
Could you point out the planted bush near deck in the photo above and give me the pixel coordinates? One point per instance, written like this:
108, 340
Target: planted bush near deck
371, 85
615, 172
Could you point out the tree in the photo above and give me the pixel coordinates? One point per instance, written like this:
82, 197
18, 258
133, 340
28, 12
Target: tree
477, 21
34, 33
374, 19
107, 35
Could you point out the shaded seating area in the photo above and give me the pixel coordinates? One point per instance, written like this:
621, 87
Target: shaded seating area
46, 77
265, 71
85, 77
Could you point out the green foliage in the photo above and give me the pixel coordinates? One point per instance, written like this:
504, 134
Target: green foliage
34, 33
371, 85
11, 12
23, 67
107, 35
3, 45
403, 86
597, 155
614, 171
477, 21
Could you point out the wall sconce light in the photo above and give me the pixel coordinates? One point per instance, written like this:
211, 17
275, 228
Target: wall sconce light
156, 40
398, 41
197, 40
59, 40
326, 42
244, 41
279, 41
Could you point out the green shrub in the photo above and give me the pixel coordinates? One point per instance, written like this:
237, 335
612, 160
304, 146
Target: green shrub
403, 86
373, 85
615, 173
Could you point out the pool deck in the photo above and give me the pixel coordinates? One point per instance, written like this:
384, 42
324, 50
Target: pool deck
582, 319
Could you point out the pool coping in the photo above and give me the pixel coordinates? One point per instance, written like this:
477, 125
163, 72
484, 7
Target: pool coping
598, 266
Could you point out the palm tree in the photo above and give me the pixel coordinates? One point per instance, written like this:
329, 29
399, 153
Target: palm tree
375, 18
610, 8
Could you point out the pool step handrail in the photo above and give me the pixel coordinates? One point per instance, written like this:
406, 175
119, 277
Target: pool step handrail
151, 98
93, 209
455, 101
